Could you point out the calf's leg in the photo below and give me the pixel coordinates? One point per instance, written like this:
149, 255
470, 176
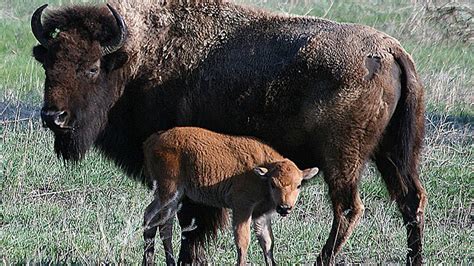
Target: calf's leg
160, 213
241, 222
166, 235
149, 231
170, 199
263, 229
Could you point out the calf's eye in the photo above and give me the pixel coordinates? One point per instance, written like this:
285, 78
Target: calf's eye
299, 186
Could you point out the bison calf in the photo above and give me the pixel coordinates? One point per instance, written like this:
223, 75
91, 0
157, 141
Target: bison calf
222, 171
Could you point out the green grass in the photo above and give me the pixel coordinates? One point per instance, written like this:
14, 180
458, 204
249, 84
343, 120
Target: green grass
90, 213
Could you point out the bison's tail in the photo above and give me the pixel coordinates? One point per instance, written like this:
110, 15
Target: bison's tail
200, 224
406, 128
401, 144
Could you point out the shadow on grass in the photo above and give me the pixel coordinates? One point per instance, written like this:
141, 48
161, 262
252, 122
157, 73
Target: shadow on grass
449, 129
16, 111
459, 121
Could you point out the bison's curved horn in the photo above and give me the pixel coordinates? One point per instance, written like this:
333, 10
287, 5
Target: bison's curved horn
37, 26
119, 41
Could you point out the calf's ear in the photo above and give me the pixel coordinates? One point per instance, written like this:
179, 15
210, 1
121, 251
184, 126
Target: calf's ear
310, 173
261, 172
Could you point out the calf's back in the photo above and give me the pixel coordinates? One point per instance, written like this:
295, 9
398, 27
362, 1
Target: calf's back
202, 157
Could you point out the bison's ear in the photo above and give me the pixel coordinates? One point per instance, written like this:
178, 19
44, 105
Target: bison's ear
310, 173
39, 53
261, 172
115, 60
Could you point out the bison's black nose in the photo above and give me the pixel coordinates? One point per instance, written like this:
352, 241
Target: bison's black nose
283, 209
54, 119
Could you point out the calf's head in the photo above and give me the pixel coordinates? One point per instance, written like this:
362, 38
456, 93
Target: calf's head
80, 52
284, 180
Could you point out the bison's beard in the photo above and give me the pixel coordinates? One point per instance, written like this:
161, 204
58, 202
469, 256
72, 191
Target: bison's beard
70, 146
74, 144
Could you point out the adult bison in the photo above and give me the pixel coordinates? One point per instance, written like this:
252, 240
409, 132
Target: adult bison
321, 93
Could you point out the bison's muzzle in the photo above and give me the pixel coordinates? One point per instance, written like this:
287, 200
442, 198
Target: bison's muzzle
56, 120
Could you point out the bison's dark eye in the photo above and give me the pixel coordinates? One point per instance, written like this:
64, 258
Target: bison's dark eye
92, 72
299, 186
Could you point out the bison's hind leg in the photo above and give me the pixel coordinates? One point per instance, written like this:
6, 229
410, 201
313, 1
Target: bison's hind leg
347, 211
349, 143
406, 189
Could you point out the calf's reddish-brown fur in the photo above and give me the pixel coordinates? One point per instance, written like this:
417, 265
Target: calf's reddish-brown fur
239, 173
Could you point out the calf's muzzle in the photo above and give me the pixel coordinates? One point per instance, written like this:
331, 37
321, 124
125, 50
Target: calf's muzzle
283, 209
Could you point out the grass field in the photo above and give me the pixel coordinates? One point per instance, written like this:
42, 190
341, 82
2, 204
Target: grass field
91, 213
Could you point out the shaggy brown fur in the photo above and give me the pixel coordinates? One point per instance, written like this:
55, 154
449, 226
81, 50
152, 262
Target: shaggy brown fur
320, 92
239, 173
